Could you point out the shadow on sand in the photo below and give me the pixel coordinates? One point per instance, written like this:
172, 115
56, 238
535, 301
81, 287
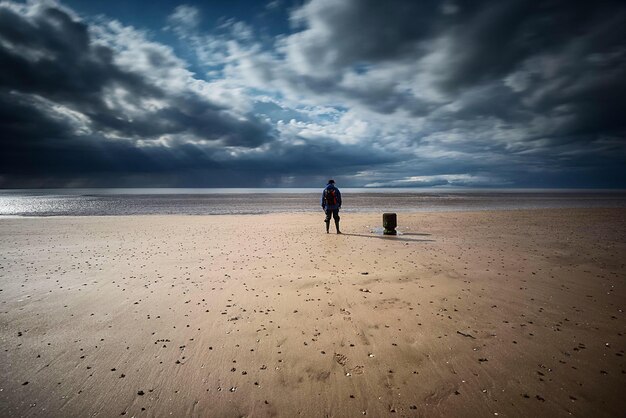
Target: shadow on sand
392, 237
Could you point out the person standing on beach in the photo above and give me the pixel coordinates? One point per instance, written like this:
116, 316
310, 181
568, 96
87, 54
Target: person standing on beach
331, 203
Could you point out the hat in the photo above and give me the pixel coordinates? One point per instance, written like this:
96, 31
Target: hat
331, 181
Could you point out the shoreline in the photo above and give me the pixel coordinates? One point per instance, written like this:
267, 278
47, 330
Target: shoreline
466, 314
234, 204
350, 212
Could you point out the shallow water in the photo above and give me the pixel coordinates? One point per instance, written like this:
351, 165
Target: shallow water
90, 202
379, 230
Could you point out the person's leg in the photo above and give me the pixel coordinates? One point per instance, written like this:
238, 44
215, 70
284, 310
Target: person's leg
336, 217
327, 220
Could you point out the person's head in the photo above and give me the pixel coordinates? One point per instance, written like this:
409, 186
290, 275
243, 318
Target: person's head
331, 181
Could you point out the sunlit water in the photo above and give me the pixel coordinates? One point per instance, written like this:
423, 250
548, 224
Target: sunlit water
90, 202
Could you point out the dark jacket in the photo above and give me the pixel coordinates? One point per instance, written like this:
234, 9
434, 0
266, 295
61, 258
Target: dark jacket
325, 204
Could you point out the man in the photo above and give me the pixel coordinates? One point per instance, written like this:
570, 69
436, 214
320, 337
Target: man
331, 203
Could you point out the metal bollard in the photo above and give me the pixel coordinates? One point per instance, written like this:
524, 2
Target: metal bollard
390, 222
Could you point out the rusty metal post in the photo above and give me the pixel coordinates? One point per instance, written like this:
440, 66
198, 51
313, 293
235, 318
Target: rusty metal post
390, 222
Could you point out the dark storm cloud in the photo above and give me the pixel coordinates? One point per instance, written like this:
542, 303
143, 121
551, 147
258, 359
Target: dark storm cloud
57, 81
351, 32
323, 154
56, 123
396, 92
479, 43
49, 59
497, 37
550, 77
51, 54
39, 149
489, 38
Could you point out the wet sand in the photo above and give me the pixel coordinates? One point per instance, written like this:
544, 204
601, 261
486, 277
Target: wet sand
510, 313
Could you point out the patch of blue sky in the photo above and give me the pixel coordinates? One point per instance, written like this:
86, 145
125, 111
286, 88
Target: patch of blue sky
276, 112
152, 14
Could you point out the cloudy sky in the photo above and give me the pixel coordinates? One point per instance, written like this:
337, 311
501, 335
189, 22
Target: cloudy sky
501, 93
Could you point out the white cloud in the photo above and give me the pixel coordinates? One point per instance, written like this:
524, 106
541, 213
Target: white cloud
136, 53
183, 19
442, 180
79, 123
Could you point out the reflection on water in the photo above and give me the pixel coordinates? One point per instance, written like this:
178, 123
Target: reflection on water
379, 230
254, 201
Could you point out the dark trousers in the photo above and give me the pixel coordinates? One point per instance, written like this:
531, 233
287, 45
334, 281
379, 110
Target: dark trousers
332, 212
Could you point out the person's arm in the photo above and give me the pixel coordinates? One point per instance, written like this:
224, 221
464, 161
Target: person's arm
339, 197
323, 199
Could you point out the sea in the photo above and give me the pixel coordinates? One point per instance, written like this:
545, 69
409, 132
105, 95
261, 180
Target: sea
165, 201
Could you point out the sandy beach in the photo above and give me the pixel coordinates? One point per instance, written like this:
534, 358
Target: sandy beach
466, 314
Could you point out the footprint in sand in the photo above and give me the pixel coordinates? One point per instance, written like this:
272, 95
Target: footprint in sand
348, 368
341, 359
346, 314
